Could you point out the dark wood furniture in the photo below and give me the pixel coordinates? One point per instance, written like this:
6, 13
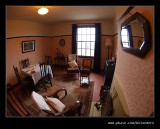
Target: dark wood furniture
15, 106
109, 68
48, 59
71, 57
59, 60
85, 71
24, 82
105, 104
72, 107
25, 63
45, 76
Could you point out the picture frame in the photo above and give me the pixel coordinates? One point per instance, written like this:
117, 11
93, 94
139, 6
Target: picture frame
28, 46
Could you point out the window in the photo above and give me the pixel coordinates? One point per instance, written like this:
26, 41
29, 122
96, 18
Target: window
125, 37
85, 41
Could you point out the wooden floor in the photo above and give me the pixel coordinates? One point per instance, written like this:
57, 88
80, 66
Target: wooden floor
98, 79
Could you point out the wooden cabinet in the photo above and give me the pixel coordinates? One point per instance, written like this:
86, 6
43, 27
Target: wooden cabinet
109, 68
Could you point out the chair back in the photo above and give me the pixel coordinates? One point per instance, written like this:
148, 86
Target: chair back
39, 101
44, 69
18, 76
72, 57
87, 63
48, 59
25, 63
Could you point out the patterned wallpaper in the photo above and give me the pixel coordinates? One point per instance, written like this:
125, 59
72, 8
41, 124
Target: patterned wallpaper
136, 75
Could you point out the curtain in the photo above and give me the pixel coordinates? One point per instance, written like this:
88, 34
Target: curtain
74, 33
97, 53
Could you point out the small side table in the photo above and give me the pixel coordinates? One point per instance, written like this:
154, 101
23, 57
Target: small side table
84, 73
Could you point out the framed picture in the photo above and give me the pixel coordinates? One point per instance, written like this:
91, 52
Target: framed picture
28, 46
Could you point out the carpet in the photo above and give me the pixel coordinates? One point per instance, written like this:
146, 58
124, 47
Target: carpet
72, 84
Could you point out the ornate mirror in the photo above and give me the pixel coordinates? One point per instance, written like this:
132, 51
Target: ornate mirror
135, 35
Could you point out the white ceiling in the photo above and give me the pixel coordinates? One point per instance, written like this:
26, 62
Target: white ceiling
60, 13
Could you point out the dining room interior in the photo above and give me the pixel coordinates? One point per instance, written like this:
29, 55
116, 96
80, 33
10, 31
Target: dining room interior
83, 61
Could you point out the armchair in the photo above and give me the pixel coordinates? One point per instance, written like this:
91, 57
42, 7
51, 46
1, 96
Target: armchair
63, 105
72, 66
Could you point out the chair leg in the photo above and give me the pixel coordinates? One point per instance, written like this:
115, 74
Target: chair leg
88, 80
43, 83
50, 82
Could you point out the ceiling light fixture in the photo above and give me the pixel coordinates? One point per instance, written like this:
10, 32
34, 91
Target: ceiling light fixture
43, 11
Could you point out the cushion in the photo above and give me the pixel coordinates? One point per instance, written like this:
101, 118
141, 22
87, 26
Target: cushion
38, 99
55, 104
72, 64
72, 57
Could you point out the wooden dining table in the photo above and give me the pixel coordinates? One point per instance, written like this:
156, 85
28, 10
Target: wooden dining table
34, 72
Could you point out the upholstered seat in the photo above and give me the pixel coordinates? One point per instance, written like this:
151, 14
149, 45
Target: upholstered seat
72, 65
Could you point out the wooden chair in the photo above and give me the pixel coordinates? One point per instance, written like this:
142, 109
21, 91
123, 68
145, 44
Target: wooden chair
25, 63
24, 82
85, 70
73, 106
48, 60
59, 60
45, 75
72, 70
15, 106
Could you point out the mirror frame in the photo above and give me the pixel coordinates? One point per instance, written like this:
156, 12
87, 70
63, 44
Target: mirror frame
147, 36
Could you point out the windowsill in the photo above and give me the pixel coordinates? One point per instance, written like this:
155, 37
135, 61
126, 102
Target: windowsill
86, 57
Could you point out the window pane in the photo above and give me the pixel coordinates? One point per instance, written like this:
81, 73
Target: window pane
83, 37
79, 52
88, 45
124, 32
84, 30
83, 44
79, 45
88, 30
79, 37
79, 30
92, 45
92, 52
92, 37
124, 38
87, 52
83, 52
88, 37
92, 30
125, 45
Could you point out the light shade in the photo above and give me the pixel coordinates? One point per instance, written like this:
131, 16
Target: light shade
108, 42
43, 11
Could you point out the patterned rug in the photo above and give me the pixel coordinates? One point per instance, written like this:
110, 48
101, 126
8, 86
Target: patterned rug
72, 84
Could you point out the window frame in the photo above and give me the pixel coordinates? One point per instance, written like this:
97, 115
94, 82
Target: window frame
86, 26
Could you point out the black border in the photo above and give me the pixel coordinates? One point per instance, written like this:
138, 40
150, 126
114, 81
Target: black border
78, 122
